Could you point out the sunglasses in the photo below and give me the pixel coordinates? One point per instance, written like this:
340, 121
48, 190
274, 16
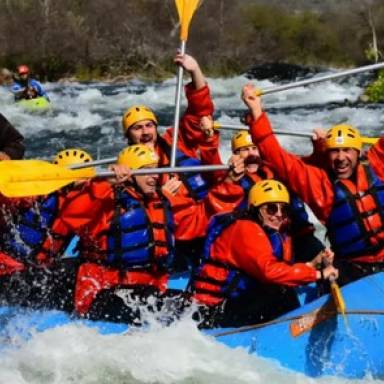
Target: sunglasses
274, 208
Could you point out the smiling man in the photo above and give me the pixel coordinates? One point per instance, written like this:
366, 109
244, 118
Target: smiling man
347, 196
195, 146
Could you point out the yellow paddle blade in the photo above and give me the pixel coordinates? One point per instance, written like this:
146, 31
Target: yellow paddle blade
217, 125
338, 298
370, 140
186, 9
20, 178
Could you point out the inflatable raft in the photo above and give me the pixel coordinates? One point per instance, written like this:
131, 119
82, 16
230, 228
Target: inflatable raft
313, 339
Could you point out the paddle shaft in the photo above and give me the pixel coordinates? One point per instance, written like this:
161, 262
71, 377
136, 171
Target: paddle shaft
186, 169
95, 163
233, 127
303, 83
176, 123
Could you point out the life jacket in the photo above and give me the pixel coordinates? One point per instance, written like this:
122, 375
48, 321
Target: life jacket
220, 280
197, 186
32, 228
347, 223
132, 257
130, 239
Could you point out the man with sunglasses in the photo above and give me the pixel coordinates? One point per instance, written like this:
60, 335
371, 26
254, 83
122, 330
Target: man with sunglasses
305, 244
346, 194
247, 273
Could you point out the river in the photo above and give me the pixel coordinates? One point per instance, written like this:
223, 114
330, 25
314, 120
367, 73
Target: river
89, 116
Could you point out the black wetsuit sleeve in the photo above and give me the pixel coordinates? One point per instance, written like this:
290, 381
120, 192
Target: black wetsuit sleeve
11, 141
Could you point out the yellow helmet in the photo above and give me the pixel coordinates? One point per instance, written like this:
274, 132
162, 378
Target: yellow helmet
268, 191
240, 140
343, 136
71, 156
137, 156
135, 114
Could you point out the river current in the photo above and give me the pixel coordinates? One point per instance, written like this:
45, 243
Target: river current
89, 116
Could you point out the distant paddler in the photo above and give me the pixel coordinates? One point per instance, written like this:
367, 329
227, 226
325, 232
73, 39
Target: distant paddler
346, 194
6, 77
25, 87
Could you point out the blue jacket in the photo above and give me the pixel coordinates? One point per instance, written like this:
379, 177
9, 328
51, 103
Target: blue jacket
18, 87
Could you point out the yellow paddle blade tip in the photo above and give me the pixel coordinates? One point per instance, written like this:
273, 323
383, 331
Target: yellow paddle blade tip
338, 298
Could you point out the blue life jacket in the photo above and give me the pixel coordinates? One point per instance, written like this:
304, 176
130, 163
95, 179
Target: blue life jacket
237, 282
131, 242
346, 230
32, 228
197, 186
36, 85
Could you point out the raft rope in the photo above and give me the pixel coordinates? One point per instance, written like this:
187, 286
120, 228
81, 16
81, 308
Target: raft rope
287, 319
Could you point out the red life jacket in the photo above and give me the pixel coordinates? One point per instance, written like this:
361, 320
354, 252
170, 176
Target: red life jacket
217, 279
114, 261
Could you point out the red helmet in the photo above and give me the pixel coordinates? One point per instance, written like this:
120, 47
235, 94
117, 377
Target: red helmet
22, 69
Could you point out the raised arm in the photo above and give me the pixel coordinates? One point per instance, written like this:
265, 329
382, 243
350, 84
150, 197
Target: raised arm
310, 183
375, 156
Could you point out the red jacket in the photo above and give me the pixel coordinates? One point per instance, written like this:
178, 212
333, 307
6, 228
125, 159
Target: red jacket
313, 184
191, 140
244, 246
89, 213
90, 216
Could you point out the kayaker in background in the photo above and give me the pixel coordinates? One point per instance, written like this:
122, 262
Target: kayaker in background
31, 265
346, 194
127, 232
305, 244
24, 87
11, 141
248, 273
6, 77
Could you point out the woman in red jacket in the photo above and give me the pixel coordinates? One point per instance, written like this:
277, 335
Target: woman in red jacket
247, 274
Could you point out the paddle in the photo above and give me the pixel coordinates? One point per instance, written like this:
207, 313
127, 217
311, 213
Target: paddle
185, 9
337, 296
330, 309
233, 127
20, 178
303, 83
